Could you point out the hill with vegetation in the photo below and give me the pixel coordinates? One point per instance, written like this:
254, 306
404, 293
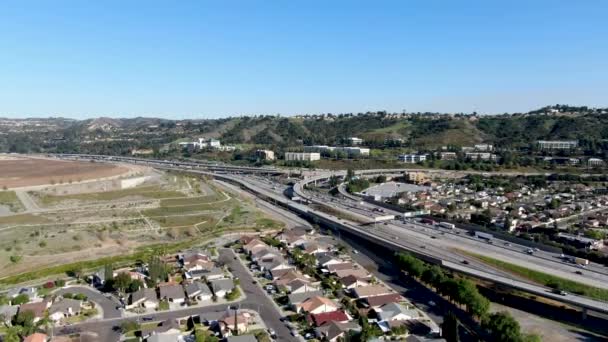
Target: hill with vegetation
415, 131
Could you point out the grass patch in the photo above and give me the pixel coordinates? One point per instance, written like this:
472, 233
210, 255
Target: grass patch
141, 253
10, 199
547, 279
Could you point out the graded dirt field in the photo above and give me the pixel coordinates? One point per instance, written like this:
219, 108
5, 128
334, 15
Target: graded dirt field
21, 172
169, 209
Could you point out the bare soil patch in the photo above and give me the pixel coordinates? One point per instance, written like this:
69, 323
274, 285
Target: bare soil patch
34, 171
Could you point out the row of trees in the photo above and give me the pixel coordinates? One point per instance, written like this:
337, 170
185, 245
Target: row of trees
500, 326
459, 291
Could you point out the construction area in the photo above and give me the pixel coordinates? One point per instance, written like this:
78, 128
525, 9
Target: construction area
53, 224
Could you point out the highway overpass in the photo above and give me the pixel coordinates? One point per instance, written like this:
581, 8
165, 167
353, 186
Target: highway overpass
336, 223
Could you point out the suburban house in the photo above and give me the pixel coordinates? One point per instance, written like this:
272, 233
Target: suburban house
196, 261
213, 274
198, 291
395, 312
297, 298
332, 331
36, 337
334, 316
205, 273
265, 253
378, 301
317, 304
288, 276
357, 272
314, 248
370, 291
63, 308
167, 331
342, 266
221, 287
144, 297
254, 246
230, 323
324, 260
37, 309
350, 282
274, 263
174, 293
300, 286
293, 237
7, 312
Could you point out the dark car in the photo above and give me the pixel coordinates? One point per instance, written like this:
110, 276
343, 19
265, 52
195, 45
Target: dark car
466, 262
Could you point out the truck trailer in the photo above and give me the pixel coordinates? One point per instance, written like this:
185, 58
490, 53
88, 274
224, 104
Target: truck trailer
482, 235
447, 225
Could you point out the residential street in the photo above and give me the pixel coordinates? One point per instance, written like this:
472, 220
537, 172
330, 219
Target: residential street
255, 300
108, 304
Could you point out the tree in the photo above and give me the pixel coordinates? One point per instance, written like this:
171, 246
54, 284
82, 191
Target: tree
20, 299
122, 281
129, 326
135, 285
449, 287
108, 272
433, 276
157, 270
449, 328
410, 264
75, 271
350, 174
478, 306
13, 334
502, 327
25, 320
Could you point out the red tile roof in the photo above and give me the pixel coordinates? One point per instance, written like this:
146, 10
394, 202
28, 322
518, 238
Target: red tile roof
322, 318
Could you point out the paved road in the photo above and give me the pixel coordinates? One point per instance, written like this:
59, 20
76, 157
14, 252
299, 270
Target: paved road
108, 305
256, 299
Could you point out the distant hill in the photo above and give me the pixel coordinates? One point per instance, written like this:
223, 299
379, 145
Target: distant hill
378, 129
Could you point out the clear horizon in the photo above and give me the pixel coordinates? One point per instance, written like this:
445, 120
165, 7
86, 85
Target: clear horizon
197, 60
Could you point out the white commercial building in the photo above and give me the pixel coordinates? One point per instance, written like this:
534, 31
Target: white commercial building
484, 147
265, 154
595, 162
351, 151
448, 155
412, 158
355, 141
557, 144
481, 156
303, 156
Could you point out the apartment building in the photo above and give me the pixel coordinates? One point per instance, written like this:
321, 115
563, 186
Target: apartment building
302, 156
557, 144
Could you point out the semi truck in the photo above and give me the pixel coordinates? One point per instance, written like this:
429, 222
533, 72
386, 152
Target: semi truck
447, 225
482, 235
578, 261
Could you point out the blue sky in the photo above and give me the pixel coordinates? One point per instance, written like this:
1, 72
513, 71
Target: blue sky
196, 59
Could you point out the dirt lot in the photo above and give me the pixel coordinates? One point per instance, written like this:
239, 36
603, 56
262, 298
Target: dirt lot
74, 227
36, 171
